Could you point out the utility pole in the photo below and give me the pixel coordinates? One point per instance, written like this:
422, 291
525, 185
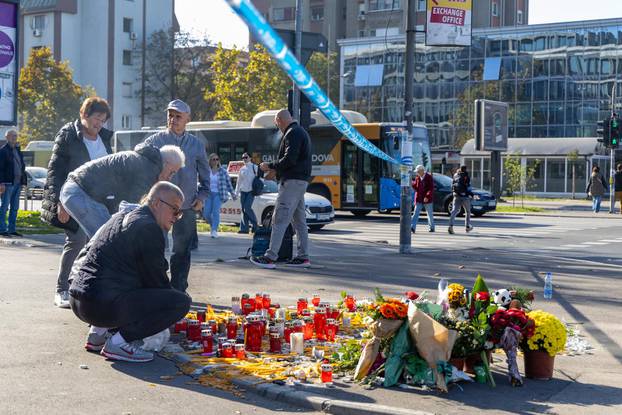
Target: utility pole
405, 168
612, 152
298, 43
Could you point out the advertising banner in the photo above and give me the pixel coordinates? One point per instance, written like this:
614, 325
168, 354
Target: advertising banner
491, 125
8, 63
448, 23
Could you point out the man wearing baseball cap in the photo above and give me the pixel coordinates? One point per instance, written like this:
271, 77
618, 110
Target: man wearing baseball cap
184, 230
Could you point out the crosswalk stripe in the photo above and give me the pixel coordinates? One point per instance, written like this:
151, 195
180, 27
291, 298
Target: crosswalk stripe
610, 240
594, 243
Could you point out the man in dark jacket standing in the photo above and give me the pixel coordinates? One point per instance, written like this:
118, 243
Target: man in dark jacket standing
617, 187
93, 192
12, 178
76, 143
423, 185
120, 279
293, 172
462, 193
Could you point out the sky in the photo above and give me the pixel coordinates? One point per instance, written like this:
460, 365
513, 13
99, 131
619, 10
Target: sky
215, 19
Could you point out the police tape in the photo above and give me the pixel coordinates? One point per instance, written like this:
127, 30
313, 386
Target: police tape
288, 62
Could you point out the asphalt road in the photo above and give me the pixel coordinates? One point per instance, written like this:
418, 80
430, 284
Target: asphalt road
355, 255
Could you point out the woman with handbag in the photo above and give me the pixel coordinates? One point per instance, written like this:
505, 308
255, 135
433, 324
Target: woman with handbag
219, 190
244, 189
76, 143
596, 188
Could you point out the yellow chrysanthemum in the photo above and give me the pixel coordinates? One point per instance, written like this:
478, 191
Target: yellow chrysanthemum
550, 333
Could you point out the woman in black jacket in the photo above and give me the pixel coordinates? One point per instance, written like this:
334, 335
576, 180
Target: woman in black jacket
75, 144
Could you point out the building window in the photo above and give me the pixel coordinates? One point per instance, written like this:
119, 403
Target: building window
421, 5
280, 14
127, 57
126, 122
38, 22
519, 17
383, 5
317, 13
128, 25
361, 33
495, 9
126, 90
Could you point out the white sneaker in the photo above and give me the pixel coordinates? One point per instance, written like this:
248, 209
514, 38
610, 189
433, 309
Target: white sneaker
61, 299
128, 352
214, 233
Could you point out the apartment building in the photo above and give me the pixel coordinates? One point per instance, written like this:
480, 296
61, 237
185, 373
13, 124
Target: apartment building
339, 19
103, 41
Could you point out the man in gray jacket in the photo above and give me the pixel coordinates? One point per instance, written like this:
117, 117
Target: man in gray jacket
196, 170
92, 192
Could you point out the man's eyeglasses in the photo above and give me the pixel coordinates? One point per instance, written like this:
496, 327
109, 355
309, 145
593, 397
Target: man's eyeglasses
176, 211
245, 158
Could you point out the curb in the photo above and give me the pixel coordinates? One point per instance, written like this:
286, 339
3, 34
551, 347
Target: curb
309, 400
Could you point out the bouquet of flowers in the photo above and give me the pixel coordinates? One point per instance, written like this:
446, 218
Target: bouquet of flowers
549, 334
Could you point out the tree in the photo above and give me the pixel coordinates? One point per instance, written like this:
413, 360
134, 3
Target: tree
325, 70
177, 66
572, 157
513, 175
47, 96
240, 91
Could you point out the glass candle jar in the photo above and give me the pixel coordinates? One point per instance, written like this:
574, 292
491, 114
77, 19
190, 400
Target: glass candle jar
240, 351
315, 300
258, 301
207, 341
350, 303
275, 342
308, 328
331, 329
319, 321
232, 327
227, 350
327, 373
301, 305
194, 330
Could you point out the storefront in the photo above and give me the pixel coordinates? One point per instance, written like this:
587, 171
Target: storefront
555, 162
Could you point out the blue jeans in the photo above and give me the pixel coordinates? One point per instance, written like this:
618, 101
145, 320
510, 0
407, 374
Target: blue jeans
211, 210
429, 208
184, 231
89, 214
596, 203
10, 197
248, 216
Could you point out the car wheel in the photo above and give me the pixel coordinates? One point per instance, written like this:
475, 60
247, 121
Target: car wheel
449, 205
360, 213
315, 228
387, 211
266, 217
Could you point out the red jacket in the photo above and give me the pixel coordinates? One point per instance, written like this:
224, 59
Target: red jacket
423, 187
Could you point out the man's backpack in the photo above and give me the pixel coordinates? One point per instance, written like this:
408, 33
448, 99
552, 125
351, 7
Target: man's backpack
459, 186
257, 186
261, 242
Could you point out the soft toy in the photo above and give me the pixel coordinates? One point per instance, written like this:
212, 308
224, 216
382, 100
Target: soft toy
502, 297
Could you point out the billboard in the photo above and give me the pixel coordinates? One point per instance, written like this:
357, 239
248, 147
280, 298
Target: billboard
8, 62
448, 23
491, 125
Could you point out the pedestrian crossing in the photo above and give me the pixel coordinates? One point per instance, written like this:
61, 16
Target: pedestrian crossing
587, 244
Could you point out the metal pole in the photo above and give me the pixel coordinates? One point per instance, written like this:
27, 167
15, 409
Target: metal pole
406, 198
612, 155
298, 40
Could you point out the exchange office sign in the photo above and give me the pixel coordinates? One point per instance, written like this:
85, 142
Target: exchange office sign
8, 62
448, 22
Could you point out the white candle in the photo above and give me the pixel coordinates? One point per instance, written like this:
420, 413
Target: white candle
296, 343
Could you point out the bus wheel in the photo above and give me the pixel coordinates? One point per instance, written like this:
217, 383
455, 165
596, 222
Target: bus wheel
266, 217
360, 213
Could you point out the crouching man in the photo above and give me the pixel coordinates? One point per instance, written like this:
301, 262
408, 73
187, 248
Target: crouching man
120, 283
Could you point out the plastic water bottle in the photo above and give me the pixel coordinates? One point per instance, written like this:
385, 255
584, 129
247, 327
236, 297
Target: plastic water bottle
548, 286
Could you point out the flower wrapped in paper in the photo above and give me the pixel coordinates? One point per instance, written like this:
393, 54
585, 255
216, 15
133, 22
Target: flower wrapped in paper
382, 328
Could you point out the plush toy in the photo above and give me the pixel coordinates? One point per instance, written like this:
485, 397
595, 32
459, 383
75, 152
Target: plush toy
502, 297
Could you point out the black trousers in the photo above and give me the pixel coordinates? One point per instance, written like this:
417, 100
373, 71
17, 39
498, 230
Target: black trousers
137, 314
184, 232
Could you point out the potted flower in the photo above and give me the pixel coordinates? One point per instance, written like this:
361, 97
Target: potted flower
549, 338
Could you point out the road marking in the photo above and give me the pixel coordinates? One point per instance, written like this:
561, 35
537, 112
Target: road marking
594, 243
574, 246
610, 240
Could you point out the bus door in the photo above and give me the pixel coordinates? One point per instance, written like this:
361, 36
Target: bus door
359, 178
230, 152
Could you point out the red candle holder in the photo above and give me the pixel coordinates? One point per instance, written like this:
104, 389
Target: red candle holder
232, 327
301, 305
207, 340
275, 342
319, 320
258, 301
240, 351
331, 329
327, 373
307, 329
315, 300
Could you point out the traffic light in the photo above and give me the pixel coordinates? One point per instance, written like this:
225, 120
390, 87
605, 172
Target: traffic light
604, 130
615, 131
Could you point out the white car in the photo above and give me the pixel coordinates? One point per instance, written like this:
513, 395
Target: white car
319, 210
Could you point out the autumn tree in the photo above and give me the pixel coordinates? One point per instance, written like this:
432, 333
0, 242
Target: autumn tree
325, 70
177, 66
47, 96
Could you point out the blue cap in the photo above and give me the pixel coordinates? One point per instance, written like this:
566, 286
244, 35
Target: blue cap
178, 105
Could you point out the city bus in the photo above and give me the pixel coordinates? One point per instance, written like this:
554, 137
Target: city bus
350, 178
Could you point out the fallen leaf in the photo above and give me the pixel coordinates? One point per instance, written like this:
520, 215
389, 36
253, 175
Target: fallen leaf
461, 267
166, 377
84, 366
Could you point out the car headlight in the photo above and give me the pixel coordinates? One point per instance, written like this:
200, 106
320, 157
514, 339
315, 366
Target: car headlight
476, 197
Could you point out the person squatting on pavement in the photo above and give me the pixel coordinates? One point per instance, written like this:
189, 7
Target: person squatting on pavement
76, 143
93, 192
244, 189
596, 188
220, 188
618, 187
120, 281
423, 185
185, 230
12, 178
293, 172
462, 193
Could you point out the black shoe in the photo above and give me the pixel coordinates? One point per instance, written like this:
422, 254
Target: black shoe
412, 230
431, 230
299, 262
19, 235
263, 262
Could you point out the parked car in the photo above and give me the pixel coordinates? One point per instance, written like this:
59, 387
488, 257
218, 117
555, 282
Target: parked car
319, 210
36, 182
482, 202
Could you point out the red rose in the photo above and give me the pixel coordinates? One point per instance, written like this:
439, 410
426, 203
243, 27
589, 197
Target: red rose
482, 296
411, 295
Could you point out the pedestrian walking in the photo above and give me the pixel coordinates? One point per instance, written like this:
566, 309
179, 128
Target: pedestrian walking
93, 192
12, 178
195, 171
220, 188
76, 143
293, 172
462, 193
596, 188
120, 279
423, 185
618, 187
244, 189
